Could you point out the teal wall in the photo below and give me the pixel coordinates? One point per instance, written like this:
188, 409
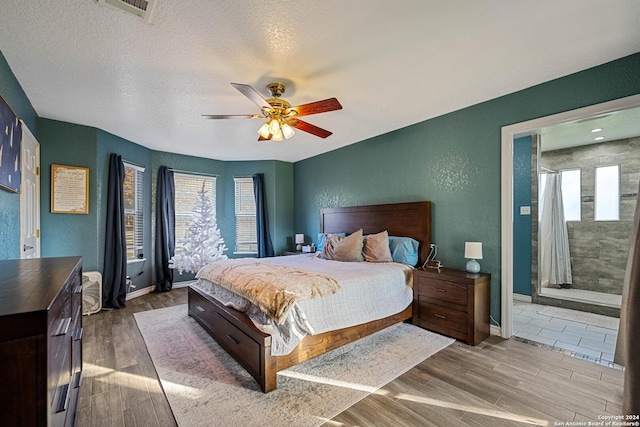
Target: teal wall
521, 223
452, 160
13, 94
68, 234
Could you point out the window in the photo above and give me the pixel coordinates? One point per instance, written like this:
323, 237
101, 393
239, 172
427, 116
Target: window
133, 202
607, 194
246, 235
571, 192
187, 187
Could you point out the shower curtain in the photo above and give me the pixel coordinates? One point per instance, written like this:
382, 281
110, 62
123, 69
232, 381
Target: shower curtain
555, 260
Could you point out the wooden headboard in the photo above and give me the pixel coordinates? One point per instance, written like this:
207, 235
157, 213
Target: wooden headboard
399, 219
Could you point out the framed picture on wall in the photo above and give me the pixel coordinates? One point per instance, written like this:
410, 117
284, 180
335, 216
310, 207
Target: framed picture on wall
69, 189
10, 148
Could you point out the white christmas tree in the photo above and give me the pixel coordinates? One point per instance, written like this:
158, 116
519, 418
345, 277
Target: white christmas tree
202, 243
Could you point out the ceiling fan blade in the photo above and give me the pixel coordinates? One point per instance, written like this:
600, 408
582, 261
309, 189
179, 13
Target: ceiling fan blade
252, 94
233, 116
308, 127
323, 106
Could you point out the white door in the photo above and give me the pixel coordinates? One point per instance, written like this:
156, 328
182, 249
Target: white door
30, 196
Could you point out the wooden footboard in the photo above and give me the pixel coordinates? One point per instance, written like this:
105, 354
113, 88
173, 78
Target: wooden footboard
250, 347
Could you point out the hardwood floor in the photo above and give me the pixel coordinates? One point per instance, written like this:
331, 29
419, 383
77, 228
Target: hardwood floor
498, 383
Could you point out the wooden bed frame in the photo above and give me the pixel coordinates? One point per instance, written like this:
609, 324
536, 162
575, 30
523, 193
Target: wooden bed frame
237, 334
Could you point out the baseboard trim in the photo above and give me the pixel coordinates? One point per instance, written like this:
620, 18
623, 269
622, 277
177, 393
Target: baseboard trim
140, 292
184, 284
523, 298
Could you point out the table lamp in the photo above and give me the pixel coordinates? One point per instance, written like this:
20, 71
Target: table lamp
299, 242
473, 250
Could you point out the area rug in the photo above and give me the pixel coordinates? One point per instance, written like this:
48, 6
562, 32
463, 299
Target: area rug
206, 387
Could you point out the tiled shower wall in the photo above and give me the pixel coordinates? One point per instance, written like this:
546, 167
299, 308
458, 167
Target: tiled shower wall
599, 249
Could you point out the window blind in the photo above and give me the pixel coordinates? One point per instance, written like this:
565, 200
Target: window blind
133, 209
187, 187
245, 207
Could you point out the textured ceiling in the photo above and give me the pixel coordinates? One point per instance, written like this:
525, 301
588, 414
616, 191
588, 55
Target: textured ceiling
390, 63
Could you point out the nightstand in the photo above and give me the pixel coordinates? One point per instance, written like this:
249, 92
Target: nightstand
285, 253
452, 302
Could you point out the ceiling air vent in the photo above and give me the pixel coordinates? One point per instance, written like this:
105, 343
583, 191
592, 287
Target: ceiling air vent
143, 9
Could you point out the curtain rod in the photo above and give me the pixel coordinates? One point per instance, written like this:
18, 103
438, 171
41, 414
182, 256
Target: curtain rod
193, 173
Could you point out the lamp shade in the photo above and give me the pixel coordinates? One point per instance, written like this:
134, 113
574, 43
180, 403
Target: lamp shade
299, 239
473, 250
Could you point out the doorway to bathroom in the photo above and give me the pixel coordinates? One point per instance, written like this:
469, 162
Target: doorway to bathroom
597, 183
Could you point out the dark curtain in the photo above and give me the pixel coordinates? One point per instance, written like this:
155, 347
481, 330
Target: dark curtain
114, 273
265, 247
165, 229
628, 345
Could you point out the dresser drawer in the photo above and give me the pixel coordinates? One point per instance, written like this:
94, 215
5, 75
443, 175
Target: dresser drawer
443, 290
445, 318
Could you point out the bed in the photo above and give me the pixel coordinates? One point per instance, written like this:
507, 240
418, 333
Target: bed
238, 335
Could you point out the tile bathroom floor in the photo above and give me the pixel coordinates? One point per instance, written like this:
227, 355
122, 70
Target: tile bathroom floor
584, 335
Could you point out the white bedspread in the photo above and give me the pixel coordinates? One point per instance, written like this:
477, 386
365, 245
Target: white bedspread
370, 291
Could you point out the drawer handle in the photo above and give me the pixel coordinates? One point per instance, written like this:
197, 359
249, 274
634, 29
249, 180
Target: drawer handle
234, 339
440, 316
63, 327
200, 309
63, 401
441, 290
78, 336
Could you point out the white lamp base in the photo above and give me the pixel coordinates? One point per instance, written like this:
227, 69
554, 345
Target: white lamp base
473, 266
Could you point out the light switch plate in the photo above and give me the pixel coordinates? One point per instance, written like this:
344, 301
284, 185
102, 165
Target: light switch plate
525, 210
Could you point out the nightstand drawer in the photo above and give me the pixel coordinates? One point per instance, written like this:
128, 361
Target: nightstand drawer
442, 290
447, 318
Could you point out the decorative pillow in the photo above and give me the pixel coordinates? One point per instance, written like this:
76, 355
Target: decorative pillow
404, 250
376, 247
322, 238
341, 248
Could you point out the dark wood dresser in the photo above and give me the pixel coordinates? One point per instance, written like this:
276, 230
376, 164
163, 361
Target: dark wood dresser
453, 303
40, 341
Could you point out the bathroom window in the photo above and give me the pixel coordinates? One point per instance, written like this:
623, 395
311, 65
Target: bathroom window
571, 194
607, 194
187, 188
133, 201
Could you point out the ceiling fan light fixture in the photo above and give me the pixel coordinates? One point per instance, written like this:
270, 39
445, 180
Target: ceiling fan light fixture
274, 126
264, 130
277, 136
287, 130
280, 116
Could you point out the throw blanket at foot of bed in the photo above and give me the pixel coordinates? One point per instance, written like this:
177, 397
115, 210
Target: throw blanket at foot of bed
273, 288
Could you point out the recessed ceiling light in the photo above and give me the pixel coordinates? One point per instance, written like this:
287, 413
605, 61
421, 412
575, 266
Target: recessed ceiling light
596, 130
600, 138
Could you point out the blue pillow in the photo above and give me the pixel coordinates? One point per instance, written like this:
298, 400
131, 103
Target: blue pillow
322, 238
404, 250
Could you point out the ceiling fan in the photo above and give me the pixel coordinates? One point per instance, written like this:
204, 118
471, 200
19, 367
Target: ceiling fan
281, 116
